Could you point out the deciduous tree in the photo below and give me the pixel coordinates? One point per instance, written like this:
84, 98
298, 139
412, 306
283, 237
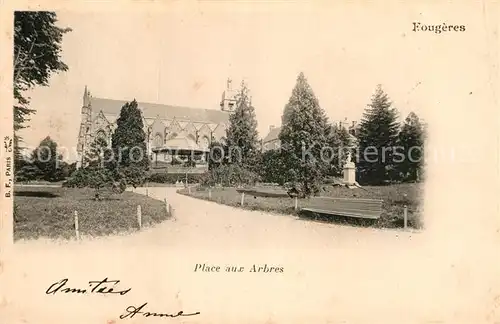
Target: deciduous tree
46, 159
37, 55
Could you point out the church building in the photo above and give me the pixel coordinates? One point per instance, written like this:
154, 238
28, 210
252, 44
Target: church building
164, 125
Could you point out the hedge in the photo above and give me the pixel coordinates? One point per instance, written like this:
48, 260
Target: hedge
174, 177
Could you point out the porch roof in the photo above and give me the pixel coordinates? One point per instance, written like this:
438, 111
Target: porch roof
180, 144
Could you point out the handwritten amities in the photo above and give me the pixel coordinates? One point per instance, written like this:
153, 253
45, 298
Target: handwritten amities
95, 287
131, 311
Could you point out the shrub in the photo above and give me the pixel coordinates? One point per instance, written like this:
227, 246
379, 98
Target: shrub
272, 167
78, 179
28, 172
230, 175
174, 177
98, 179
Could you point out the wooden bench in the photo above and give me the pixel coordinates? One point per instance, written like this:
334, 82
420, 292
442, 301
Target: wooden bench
360, 208
263, 192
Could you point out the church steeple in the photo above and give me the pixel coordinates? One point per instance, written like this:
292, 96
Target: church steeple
228, 97
85, 124
86, 97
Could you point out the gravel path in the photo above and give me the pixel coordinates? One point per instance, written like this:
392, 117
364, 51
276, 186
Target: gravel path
331, 273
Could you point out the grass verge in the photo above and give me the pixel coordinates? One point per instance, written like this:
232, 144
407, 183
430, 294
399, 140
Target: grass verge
49, 212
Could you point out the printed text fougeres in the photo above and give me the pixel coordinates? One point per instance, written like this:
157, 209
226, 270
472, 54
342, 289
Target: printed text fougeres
437, 28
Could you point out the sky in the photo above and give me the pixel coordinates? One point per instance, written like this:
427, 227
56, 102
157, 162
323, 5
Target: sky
183, 54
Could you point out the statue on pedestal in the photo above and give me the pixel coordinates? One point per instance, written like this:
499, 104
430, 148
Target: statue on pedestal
349, 171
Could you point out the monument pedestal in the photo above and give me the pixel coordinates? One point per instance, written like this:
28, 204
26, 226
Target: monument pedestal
349, 174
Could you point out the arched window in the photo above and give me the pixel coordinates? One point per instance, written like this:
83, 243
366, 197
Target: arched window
101, 134
158, 141
101, 139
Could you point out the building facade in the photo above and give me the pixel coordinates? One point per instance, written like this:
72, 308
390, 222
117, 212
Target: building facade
272, 142
162, 123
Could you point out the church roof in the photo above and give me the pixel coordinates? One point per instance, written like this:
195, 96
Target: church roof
152, 110
272, 135
275, 132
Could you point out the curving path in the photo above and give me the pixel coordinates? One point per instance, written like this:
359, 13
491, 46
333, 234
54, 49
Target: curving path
204, 224
331, 273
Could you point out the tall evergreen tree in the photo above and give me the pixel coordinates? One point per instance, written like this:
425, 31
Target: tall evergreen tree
129, 144
303, 136
241, 135
411, 140
378, 136
37, 55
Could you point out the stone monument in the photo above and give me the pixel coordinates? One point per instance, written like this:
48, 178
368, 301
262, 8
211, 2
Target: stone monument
349, 171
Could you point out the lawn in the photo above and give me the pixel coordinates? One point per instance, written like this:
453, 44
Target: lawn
394, 197
49, 212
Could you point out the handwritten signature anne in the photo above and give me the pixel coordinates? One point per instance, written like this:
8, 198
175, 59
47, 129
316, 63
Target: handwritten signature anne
131, 311
107, 286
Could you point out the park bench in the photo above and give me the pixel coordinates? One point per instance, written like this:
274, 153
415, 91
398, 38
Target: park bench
349, 207
263, 192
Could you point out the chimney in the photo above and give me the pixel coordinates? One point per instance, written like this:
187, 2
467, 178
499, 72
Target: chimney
271, 127
353, 123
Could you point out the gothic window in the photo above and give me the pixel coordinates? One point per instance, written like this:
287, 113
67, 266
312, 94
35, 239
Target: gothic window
100, 139
101, 134
158, 141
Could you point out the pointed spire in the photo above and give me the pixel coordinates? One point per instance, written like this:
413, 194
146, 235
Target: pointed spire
86, 97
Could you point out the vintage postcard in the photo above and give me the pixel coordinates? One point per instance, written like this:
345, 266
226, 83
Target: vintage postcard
249, 162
